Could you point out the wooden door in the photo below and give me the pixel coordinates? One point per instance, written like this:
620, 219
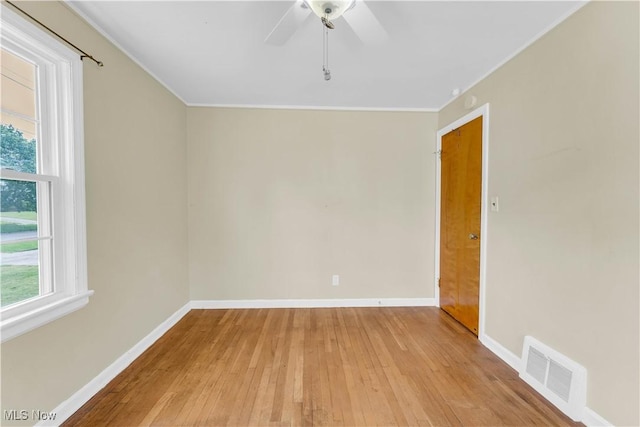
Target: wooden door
460, 202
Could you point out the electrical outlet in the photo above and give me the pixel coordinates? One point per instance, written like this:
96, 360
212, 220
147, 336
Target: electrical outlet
335, 280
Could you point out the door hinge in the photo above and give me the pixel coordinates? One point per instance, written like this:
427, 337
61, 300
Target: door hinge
438, 282
439, 153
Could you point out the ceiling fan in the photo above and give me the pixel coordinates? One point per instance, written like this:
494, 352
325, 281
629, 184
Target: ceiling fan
356, 13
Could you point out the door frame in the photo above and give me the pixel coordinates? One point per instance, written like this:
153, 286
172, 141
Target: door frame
484, 204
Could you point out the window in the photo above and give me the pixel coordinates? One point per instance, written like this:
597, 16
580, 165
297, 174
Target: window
42, 207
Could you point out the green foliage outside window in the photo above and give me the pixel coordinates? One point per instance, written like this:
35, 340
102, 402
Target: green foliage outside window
19, 154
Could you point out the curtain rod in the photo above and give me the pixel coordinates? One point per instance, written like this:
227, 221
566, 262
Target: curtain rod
84, 54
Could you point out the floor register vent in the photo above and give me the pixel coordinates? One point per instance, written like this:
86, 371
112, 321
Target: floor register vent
559, 379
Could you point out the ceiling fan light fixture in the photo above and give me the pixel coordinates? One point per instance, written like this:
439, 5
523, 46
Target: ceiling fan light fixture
329, 9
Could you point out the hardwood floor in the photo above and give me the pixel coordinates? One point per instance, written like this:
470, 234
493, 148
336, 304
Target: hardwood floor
291, 367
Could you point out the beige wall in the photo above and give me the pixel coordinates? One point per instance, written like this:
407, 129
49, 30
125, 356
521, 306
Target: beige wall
280, 200
562, 257
135, 150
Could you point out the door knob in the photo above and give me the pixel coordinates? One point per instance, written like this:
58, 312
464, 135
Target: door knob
473, 236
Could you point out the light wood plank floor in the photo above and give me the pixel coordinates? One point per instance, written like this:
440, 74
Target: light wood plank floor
411, 366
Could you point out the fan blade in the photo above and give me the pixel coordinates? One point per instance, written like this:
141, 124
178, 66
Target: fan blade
365, 24
288, 24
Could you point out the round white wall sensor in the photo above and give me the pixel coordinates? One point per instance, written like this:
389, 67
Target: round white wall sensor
470, 102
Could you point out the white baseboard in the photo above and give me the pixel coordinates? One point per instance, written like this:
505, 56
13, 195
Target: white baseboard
82, 396
500, 351
591, 419
314, 303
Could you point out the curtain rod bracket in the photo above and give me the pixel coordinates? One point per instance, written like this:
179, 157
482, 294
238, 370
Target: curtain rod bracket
99, 63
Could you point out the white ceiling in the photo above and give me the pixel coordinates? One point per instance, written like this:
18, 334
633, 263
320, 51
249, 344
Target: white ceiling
213, 52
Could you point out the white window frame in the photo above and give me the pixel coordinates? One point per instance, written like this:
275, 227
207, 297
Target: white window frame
61, 170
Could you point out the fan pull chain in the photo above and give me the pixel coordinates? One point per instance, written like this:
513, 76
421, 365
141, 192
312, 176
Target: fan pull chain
325, 59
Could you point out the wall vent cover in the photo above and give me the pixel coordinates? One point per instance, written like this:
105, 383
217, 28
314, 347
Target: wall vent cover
559, 379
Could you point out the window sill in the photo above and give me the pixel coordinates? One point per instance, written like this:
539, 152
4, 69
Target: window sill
18, 325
